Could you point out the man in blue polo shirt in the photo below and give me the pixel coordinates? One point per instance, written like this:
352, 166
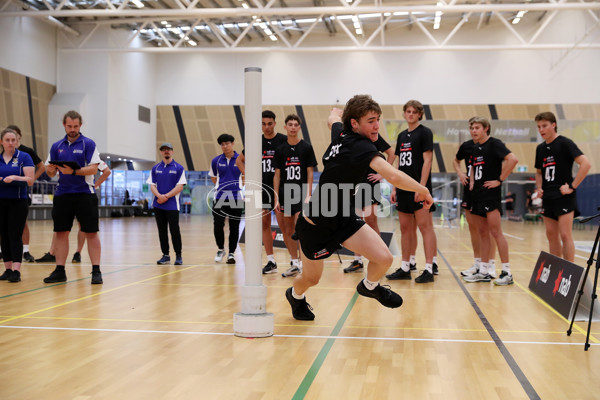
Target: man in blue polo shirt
75, 196
166, 181
228, 197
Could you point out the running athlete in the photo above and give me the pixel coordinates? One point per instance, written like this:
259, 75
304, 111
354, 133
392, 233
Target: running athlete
294, 169
330, 222
555, 184
270, 142
493, 162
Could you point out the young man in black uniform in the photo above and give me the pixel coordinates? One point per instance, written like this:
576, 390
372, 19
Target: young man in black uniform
270, 142
465, 152
368, 198
414, 149
555, 184
294, 164
493, 162
330, 221
39, 170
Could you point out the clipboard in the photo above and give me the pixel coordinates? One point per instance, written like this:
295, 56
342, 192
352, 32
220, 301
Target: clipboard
72, 164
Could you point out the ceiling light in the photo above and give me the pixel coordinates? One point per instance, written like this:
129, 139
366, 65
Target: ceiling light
438, 17
137, 3
164, 22
192, 43
245, 5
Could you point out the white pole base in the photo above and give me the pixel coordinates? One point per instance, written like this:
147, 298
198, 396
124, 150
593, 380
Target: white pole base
253, 325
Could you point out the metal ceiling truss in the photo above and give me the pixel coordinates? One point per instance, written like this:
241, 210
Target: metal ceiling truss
324, 26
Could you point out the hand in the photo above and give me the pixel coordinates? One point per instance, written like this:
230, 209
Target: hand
565, 189
277, 206
492, 184
65, 170
463, 178
374, 178
417, 198
393, 196
161, 199
427, 201
9, 179
51, 168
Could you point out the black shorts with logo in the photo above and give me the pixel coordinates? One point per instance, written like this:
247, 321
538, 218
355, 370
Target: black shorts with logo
557, 207
83, 206
405, 203
321, 240
481, 208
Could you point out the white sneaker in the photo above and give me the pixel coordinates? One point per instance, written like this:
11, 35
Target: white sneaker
478, 277
504, 280
293, 270
220, 255
471, 271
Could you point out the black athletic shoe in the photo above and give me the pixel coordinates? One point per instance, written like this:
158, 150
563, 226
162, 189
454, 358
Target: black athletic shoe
164, 260
356, 266
301, 310
15, 276
76, 258
28, 257
178, 260
382, 294
434, 268
399, 275
425, 277
230, 258
46, 258
96, 277
413, 267
7, 273
56, 276
270, 268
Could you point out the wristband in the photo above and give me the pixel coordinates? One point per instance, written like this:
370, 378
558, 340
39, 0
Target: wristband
74, 172
571, 186
500, 180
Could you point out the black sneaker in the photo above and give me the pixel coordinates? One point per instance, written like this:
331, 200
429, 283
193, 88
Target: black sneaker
382, 294
413, 267
399, 275
96, 277
425, 277
230, 259
7, 273
301, 310
434, 268
270, 268
76, 258
56, 276
178, 260
356, 266
46, 258
15, 276
164, 260
28, 257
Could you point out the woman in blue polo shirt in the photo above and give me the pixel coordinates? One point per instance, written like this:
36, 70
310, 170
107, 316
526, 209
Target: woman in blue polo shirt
16, 172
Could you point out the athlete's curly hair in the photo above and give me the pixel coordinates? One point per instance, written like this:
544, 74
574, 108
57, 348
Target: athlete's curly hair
358, 107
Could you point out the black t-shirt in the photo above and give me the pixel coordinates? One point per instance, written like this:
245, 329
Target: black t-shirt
556, 162
268, 152
410, 148
36, 159
381, 146
487, 166
293, 161
345, 163
465, 152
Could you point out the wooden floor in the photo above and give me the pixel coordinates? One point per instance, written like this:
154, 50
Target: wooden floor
165, 332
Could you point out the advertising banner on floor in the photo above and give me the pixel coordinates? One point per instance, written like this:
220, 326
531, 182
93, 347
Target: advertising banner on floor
557, 282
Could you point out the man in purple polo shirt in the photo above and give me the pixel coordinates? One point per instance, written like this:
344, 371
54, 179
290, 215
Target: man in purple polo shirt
166, 181
75, 196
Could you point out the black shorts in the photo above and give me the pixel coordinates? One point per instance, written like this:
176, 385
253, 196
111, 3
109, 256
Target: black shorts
321, 240
290, 209
481, 208
83, 206
557, 207
268, 198
367, 194
466, 198
405, 203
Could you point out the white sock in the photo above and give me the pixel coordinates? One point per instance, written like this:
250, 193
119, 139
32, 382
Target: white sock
295, 262
477, 262
435, 259
405, 266
483, 268
429, 267
370, 285
413, 259
506, 267
358, 258
25, 248
271, 258
297, 296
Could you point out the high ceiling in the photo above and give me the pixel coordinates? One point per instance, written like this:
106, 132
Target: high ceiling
317, 25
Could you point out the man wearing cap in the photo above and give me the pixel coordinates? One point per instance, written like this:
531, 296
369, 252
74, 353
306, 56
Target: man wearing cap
166, 181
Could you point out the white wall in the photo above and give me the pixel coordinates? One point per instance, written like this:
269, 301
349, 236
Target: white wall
508, 77
28, 47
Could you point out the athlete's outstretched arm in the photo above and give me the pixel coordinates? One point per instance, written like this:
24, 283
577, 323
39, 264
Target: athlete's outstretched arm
400, 180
